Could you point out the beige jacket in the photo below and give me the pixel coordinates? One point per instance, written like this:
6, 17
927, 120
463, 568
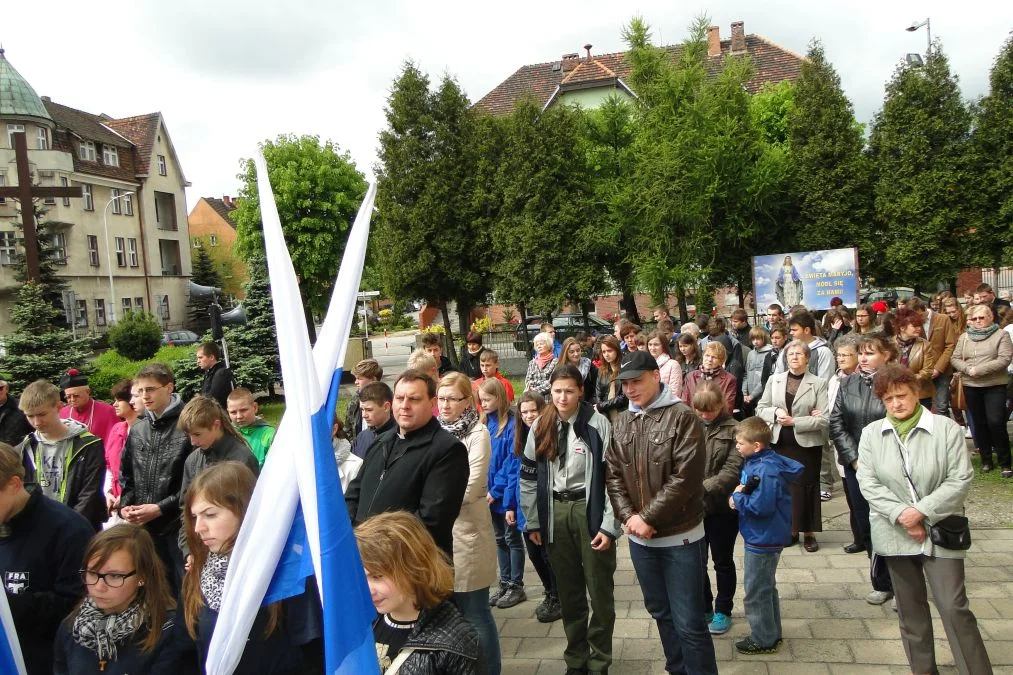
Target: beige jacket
989, 358
935, 455
810, 430
474, 542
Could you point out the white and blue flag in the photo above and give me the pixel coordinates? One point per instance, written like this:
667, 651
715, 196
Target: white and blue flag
11, 660
296, 525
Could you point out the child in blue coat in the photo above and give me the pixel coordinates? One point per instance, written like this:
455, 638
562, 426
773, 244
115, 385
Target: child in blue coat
504, 494
763, 500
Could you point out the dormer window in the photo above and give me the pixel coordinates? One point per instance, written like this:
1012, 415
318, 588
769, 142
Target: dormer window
110, 157
86, 151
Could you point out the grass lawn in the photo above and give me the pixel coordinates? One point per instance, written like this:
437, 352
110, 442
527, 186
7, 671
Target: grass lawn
271, 412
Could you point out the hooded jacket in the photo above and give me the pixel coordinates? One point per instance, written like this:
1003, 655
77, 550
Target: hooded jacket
259, 435
424, 473
757, 372
765, 513
151, 467
83, 470
657, 461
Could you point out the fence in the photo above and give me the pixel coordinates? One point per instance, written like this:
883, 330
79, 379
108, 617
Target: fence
999, 280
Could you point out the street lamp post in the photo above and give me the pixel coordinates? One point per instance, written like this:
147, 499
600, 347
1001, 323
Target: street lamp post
109, 257
915, 25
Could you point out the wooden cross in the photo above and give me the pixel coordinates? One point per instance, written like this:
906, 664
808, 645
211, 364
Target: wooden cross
25, 193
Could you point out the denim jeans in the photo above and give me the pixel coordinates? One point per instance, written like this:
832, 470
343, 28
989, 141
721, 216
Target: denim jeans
722, 530
672, 579
942, 397
474, 606
763, 606
509, 551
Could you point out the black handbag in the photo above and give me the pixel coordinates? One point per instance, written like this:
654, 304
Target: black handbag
952, 532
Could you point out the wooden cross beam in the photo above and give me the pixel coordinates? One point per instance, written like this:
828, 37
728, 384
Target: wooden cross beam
26, 193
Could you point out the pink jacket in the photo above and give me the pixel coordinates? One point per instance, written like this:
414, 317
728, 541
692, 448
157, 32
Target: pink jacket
671, 374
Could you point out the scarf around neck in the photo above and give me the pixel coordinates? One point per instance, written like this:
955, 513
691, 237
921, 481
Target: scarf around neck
463, 425
711, 373
543, 359
979, 334
904, 427
100, 632
212, 579
866, 376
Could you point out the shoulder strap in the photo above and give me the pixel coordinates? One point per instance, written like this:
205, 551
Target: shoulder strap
903, 467
399, 660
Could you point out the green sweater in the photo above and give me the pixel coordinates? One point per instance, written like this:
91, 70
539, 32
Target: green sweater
259, 435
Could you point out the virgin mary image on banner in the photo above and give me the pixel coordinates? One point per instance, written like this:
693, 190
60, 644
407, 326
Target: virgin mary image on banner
788, 287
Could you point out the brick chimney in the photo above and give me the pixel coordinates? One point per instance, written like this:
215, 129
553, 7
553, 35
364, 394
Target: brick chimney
587, 48
570, 61
714, 41
738, 37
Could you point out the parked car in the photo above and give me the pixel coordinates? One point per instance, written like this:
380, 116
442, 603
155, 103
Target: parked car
890, 295
180, 338
565, 325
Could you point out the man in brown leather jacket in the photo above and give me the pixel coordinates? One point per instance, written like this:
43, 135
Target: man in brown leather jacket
656, 462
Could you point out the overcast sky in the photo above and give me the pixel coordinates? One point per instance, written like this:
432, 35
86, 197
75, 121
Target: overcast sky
228, 74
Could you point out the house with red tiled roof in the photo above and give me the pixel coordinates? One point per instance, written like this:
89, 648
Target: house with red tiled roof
588, 80
123, 246
213, 229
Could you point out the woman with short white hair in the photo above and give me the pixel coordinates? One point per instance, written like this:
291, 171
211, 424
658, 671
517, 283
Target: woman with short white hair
541, 366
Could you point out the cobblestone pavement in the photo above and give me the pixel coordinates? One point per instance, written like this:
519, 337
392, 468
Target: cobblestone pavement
828, 626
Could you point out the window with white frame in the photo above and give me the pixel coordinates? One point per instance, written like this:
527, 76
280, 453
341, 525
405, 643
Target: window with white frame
86, 151
82, 314
8, 250
196, 242
110, 156
100, 312
86, 195
42, 139
132, 252
46, 181
139, 303
11, 130
128, 204
60, 248
93, 258
121, 253
64, 182
161, 165
115, 198
213, 240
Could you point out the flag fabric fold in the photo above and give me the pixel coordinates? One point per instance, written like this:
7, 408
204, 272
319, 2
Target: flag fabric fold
296, 524
11, 659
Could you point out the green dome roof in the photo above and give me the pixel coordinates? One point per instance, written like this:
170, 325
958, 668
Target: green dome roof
17, 98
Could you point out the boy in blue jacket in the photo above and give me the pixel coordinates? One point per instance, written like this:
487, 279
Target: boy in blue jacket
763, 500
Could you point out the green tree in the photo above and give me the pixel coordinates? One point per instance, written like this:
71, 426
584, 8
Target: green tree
37, 349
919, 148
831, 173
318, 191
993, 166
253, 347
545, 251
136, 335
50, 255
205, 274
426, 241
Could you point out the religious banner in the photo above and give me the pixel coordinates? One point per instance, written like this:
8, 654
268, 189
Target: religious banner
812, 278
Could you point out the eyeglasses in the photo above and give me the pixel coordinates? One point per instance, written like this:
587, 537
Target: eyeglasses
111, 579
150, 390
980, 318
449, 399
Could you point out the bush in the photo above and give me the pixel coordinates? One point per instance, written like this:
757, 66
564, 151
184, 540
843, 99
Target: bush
112, 367
137, 336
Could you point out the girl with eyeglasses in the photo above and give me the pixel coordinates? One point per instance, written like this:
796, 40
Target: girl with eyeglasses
474, 543
126, 623
981, 356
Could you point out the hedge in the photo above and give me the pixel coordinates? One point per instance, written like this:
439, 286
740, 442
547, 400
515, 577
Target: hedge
111, 367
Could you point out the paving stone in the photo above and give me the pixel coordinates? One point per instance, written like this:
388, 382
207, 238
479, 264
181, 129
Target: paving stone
791, 575
746, 668
524, 628
541, 648
821, 651
838, 628
883, 629
805, 609
987, 573
858, 609
1000, 652
878, 651
838, 575
522, 667
1003, 607
508, 646
823, 591
630, 628
641, 649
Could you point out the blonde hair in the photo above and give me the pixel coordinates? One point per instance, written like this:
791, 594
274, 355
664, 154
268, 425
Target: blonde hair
458, 381
717, 349
494, 387
397, 545
242, 394
39, 394
421, 360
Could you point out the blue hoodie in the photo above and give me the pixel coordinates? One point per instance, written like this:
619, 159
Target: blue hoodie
765, 513
504, 467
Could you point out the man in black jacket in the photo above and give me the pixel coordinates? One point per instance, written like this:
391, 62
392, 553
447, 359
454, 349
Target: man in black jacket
151, 467
218, 381
417, 467
13, 425
42, 544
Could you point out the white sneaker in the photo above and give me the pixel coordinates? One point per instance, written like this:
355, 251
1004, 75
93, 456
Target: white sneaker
878, 597
893, 604
967, 432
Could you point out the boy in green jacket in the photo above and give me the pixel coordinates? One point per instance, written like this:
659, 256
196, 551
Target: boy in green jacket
243, 412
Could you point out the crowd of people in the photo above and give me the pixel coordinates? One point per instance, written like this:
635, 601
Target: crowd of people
117, 521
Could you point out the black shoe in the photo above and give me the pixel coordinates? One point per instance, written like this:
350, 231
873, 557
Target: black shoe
854, 548
496, 595
576, 671
794, 539
513, 596
810, 544
549, 610
750, 647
